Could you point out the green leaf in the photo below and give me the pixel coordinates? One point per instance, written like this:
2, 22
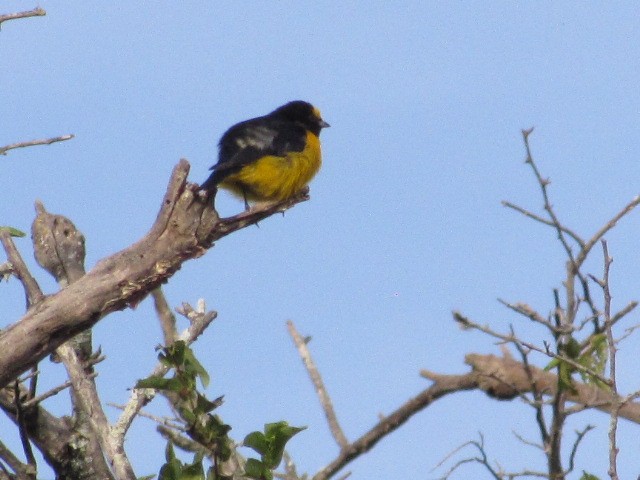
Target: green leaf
256, 469
270, 444
147, 477
205, 405
14, 232
195, 368
571, 348
257, 441
194, 471
173, 355
158, 383
169, 452
278, 434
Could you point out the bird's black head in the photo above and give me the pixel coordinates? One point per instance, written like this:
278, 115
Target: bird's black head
303, 113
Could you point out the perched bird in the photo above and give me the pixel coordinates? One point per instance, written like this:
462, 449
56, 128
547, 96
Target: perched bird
269, 158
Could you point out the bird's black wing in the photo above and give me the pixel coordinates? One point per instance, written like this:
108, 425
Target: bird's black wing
248, 141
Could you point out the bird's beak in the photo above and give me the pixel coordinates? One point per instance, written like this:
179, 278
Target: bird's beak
324, 124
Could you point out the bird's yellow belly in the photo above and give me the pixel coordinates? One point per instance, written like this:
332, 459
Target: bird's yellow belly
277, 178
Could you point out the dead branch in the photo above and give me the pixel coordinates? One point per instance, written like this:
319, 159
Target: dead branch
31, 143
33, 293
186, 226
509, 377
36, 12
316, 379
443, 385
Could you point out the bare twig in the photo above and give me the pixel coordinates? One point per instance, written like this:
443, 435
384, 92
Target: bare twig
580, 435
543, 220
165, 421
316, 379
482, 459
165, 315
608, 329
544, 182
36, 12
513, 339
608, 226
31, 143
443, 385
24, 436
50, 393
530, 313
32, 290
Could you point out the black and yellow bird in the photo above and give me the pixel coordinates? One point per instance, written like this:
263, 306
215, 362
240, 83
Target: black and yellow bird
269, 158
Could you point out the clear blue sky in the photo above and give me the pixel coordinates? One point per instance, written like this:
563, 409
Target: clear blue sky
426, 102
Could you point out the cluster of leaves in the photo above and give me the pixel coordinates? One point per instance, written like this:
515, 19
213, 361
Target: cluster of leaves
591, 354
208, 429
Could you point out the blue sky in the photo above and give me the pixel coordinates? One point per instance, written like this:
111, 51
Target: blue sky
426, 101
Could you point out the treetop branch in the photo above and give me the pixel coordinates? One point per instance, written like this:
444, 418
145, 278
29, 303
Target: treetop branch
186, 226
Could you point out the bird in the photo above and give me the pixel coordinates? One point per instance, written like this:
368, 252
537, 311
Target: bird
269, 158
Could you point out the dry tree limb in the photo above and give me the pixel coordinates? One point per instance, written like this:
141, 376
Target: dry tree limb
443, 385
316, 379
32, 143
33, 293
59, 248
165, 316
186, 226
509, 378
36, 12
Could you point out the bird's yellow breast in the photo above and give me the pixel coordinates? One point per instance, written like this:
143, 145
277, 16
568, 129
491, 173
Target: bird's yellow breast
277, 177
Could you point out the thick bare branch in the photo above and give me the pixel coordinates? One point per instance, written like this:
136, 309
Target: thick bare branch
498, 373
186, 226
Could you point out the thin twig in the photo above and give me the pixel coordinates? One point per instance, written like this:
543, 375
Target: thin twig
443, 385
543, 220
32, 290
479, 445
36, 12
24, 435
615, 407
165, 315
537, 394
608, 226
166, 421
576, 444
50, 393
31, 143
513, 339
544, 182
316, 379
530, 313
